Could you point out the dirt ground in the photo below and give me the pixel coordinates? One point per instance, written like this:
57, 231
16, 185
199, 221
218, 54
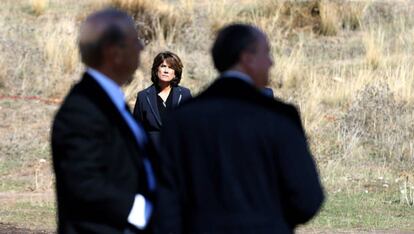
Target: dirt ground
9, 229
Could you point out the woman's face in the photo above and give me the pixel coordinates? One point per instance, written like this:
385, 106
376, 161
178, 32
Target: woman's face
165, 72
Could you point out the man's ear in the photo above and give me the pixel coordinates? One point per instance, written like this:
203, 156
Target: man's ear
246, 59
112, 53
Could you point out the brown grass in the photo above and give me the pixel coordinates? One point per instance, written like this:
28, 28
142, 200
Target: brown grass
39, 7
58, 41
329, 18
406, 181
3, 72
156, 18
374, 46
347, 65
352, 14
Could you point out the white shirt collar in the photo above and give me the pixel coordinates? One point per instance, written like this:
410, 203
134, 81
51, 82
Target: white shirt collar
110, 87
237, 75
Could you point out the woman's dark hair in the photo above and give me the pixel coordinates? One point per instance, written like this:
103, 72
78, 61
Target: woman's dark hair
173, 61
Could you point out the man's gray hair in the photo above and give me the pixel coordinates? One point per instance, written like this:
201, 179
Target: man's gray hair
103, 28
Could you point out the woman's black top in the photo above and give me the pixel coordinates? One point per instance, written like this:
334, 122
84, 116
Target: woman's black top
164, 107
150, 111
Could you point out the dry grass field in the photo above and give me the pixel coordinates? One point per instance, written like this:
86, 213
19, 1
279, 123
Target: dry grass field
347, 65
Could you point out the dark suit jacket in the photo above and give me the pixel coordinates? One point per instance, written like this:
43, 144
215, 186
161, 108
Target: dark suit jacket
235, 161
268, 92
146, 108
97, 162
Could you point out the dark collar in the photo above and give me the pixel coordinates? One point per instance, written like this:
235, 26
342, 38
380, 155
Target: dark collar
242, 91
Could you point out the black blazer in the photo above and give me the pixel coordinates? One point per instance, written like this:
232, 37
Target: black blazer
97, 162
235, 161
146, 108
268, 92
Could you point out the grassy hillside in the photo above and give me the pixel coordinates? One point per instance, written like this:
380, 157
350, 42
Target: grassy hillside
347, 65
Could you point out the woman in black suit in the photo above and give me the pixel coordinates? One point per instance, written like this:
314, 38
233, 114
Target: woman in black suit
154, 103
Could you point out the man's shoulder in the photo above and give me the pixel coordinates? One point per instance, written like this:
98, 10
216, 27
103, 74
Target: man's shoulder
253, 102
237, 89
279, 105
81, 91
282, 108
83, 98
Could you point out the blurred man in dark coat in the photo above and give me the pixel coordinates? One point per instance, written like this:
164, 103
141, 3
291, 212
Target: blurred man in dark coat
268, 92
103, 176
236, 160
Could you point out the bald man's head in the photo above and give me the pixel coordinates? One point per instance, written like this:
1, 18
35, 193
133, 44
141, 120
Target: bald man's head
103, 28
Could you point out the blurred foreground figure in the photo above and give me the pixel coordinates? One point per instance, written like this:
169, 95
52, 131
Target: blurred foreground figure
236, 160
103, 176
268, 92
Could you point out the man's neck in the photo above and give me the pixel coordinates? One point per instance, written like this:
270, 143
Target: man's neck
238, 75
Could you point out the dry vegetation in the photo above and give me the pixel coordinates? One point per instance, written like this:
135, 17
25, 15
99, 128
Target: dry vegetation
39, 6
348, 66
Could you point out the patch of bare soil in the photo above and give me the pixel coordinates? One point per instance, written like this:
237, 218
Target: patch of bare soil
10, 229
321, 231
29, 196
